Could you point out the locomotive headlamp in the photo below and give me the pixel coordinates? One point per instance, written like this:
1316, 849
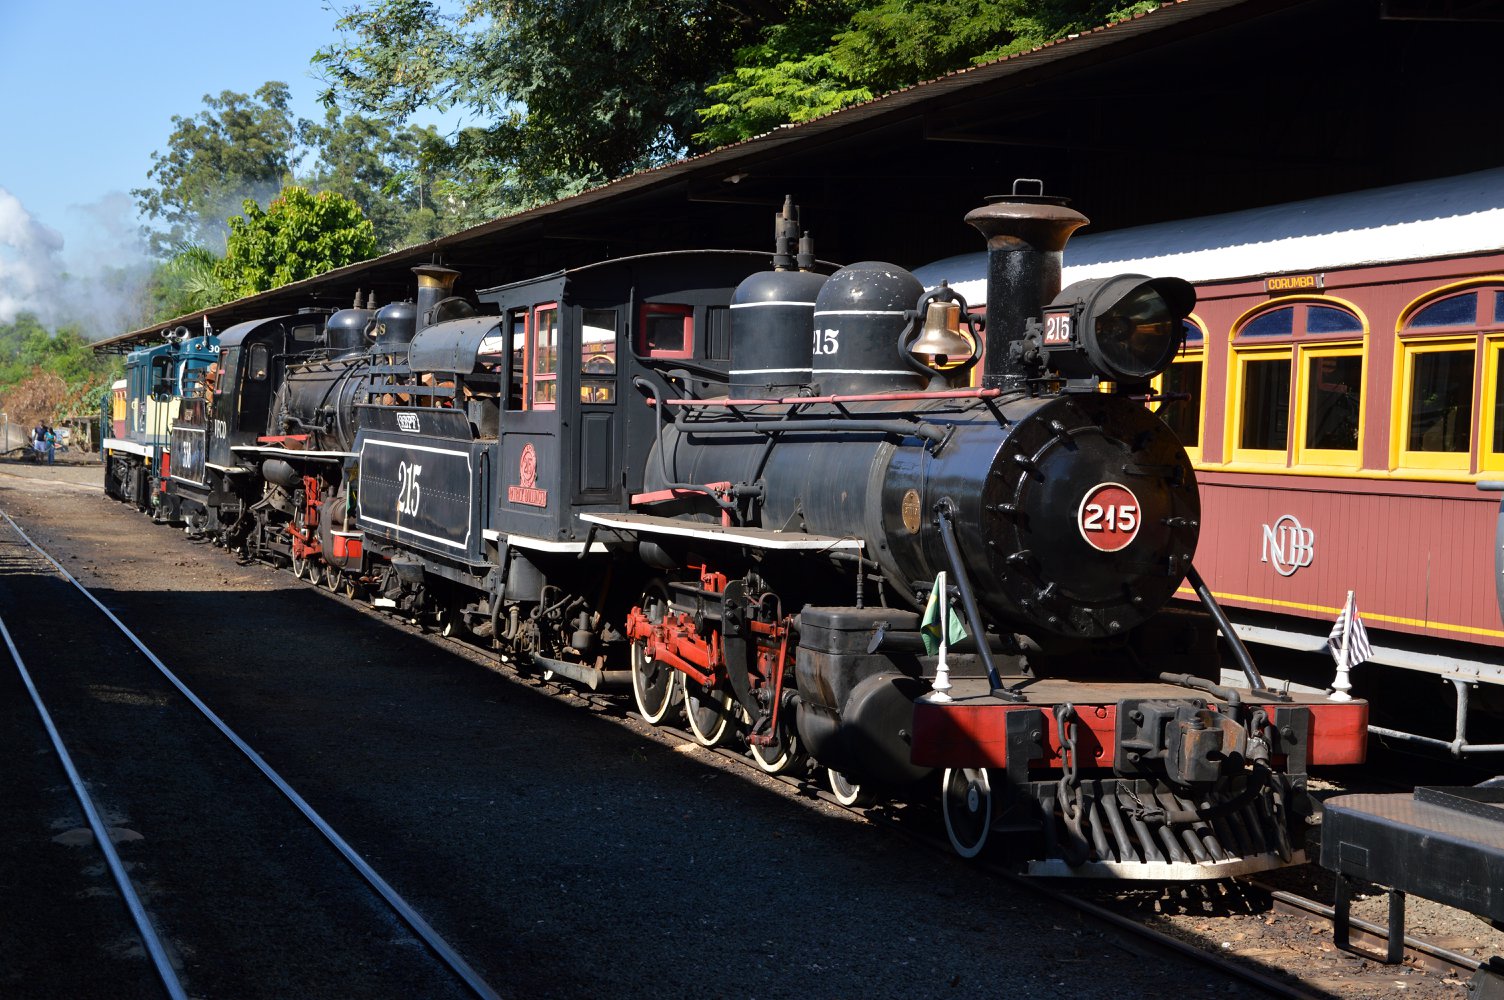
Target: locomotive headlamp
1125, 328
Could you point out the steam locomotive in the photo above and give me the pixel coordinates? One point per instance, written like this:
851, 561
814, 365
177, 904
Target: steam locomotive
835, 518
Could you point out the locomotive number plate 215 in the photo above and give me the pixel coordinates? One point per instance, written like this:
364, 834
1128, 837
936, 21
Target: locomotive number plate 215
1057, 329
1108, 517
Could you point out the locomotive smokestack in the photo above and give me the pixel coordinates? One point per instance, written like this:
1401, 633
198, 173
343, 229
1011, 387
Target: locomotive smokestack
435, 283
1025, 235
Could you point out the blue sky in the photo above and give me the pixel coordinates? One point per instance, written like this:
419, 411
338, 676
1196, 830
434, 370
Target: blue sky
88, 89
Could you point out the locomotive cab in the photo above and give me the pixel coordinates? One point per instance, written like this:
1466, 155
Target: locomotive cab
213, 481
571, 350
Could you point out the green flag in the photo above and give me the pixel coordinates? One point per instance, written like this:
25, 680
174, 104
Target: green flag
929, 628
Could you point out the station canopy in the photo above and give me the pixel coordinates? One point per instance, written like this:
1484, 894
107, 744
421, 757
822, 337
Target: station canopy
1195, 108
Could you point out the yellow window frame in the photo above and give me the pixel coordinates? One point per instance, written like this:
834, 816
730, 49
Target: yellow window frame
1193, 355
1401, 457
1238, 363
1334, 458
1493, 355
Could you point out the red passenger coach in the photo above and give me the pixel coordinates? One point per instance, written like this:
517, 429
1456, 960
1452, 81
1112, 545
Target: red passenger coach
1341, 394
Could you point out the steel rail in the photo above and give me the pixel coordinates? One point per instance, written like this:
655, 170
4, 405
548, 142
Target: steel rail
420, 926
1211, 959
1268, 984
1445, 957
149, 935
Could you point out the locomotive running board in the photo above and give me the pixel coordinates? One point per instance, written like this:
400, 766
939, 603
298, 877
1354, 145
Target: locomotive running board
266, 452
762, 538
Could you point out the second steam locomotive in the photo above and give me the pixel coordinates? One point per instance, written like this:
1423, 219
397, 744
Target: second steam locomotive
835, 519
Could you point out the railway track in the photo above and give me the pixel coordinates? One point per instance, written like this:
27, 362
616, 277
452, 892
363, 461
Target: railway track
912, 824
922, 824
129, 764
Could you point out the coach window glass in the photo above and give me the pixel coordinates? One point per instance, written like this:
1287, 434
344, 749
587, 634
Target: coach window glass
1442, 339
1441, 401
1334, 395
1490, 434
1265, 424
1184, 378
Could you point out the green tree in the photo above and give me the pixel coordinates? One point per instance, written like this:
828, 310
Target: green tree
186, 282
830, 53
391, 174
564, 93
239, 147
48, 373
299, 235
787, 76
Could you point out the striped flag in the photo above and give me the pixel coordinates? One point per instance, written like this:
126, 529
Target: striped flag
1348, 642
931, 631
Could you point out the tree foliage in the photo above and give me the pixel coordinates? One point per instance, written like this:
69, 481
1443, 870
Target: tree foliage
565, 93
186, 282
46, 374
831, 53
238, 147
392, 175
559, 95
789, 75
298, 235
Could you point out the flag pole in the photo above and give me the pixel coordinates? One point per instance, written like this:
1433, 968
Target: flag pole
1342, 684
941, 690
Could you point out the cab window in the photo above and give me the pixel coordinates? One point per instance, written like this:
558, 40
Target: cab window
666, 331
544, 350
598, 356
260, 358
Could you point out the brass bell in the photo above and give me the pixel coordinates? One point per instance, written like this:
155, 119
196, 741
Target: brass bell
941, 343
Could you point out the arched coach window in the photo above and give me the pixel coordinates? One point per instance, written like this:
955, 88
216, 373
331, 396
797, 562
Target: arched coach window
1296, 384
1186, 376
1449, 369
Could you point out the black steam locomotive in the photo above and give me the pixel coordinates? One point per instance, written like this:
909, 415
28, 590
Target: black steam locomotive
784, 504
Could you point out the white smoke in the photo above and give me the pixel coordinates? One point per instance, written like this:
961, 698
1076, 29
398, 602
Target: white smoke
30, 263
98, 286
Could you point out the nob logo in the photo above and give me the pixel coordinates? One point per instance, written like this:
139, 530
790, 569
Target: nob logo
1288, 546
407, 422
